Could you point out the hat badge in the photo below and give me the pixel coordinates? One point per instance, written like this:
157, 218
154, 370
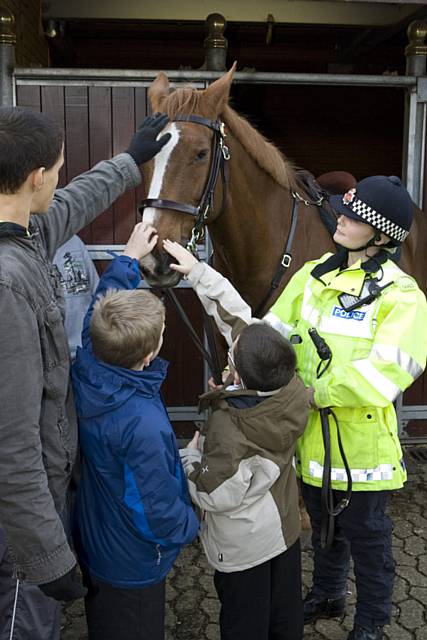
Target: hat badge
349, 196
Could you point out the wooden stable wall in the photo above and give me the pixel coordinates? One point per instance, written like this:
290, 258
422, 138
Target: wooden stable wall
99, 123
356, 129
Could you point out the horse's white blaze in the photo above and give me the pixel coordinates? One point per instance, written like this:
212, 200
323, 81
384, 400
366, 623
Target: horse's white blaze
160, 163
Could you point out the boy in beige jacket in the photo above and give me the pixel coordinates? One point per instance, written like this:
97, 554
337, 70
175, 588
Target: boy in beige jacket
240, 471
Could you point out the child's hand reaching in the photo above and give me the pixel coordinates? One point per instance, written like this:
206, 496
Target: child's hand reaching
142, 241
194, 443
186, 260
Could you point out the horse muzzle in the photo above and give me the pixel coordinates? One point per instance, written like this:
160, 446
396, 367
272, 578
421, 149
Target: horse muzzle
158, 274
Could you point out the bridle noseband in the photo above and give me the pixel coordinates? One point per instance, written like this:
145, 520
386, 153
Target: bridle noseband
220, 156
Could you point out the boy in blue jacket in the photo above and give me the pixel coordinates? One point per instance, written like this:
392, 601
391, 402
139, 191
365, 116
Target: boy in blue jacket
133, 511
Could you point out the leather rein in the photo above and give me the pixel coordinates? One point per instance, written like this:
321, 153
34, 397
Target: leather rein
219, 164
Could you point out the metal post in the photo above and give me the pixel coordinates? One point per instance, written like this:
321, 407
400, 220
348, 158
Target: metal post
215, 43
415, 112
414, 152
416, 50
7, 56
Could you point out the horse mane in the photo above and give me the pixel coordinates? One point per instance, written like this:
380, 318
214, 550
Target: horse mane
188, 100
264, 152
185, 101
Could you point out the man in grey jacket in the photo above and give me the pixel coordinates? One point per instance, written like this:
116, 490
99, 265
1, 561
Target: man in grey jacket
38, 430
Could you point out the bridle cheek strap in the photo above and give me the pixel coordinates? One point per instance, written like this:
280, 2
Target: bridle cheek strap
220, 156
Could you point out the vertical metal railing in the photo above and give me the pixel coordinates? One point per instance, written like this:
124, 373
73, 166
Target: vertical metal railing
7, 57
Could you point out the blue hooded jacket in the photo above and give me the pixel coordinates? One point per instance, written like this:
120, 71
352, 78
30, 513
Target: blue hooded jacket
133, 512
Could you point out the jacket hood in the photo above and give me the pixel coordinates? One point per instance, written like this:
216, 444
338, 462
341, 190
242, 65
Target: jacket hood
272, 424
100, 388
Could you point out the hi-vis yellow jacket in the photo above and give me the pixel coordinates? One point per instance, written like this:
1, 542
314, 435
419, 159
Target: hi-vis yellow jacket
378, 351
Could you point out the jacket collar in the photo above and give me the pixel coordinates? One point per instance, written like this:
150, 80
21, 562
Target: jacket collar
339, 261
12, 229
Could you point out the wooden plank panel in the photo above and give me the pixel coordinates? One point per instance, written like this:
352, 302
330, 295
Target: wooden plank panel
100, 146
76, 138
184, 382
28, 96
52, 104
123, 126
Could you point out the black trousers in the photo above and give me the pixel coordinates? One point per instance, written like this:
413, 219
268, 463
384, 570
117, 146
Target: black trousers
362, 530
124, 614
263, 603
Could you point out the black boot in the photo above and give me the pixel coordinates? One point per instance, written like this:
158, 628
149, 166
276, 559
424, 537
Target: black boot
361, 633
322, 608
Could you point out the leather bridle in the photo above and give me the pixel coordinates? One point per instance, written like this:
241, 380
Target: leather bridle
220, 156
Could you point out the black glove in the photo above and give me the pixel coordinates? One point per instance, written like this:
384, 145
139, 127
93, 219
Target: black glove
144, 145
65, 588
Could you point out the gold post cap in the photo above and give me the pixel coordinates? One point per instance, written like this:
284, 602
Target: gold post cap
417, 33
7, 27
215, 26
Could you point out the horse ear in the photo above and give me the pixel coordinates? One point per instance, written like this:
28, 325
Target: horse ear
218, 92
158, 91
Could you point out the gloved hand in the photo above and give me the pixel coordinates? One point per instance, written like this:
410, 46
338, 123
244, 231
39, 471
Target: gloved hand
65, 588
144, 145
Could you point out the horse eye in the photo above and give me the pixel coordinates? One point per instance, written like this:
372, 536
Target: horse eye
202, 154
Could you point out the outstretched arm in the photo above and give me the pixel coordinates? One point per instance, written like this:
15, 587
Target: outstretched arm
123, 272
218, 296
92, 192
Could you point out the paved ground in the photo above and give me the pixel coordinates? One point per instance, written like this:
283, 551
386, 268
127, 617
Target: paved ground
192, 609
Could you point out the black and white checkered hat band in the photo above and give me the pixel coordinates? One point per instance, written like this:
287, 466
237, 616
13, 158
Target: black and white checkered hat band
372, 217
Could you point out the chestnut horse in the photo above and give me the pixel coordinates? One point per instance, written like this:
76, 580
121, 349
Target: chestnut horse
250, 231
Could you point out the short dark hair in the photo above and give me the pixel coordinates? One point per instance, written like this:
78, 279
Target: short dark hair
264, 359
28, 140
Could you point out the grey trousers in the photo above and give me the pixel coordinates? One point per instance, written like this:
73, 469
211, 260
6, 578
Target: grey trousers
25, 612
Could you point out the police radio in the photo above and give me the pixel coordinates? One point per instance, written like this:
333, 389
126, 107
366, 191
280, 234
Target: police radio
350, 303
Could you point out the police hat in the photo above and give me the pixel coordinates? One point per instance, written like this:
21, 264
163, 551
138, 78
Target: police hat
381, 201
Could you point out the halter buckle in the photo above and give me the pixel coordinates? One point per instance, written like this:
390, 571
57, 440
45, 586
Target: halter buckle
222, 136
224, 149
286, 260
196, 235
307, 203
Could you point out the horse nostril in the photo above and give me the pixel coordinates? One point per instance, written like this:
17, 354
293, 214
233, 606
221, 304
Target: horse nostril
163, 264
168, 260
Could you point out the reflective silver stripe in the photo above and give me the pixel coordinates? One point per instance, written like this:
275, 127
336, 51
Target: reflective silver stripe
276, 323
15, 602
382, 472
391, 353
379, 382
309, 313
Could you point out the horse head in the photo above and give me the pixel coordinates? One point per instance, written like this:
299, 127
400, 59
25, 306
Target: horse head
177, 177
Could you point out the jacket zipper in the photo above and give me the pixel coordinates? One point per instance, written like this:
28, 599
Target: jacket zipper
159, 554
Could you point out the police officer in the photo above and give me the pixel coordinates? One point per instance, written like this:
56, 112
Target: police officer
373, 317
